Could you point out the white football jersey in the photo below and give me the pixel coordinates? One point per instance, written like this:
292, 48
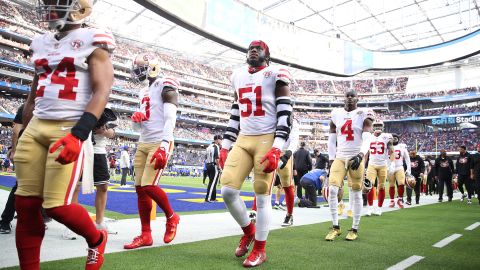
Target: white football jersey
349, 130
400, 153
256, 98
64, 87
151, 104
379, 150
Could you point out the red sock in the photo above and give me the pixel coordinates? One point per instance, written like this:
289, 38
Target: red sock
401, 188
254, 206
424, 188
289, 198
381, 197
249, 229
29, 232
160, 197
144, 209
391, 191
77, 219
370, 197
259, 245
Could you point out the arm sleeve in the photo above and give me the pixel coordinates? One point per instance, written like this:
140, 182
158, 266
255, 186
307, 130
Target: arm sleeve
169, 117
233, 127
284, 121
450, 161
366, 138
284, 111
293, 138
332, 146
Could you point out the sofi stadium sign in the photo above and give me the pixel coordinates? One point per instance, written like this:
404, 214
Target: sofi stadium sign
456, 120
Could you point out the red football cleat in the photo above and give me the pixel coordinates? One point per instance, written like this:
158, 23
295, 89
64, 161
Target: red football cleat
392, 204
95, 255
244, 244
143, 240
400, 203
171, 228
255, 258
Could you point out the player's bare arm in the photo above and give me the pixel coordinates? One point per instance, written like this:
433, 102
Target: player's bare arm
27, 113
101, 76
169, 95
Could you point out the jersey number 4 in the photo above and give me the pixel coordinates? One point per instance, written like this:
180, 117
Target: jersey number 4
347, 130
68, 82
246, 101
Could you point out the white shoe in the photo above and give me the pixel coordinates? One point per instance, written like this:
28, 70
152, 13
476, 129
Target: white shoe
377, 211
369, 211
103, 226
68, 234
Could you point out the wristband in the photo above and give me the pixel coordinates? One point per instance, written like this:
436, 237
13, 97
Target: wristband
84, 126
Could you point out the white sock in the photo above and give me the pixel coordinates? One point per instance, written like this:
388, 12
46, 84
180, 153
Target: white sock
357, 208
350, 198
264, 213
333, 203
236, 206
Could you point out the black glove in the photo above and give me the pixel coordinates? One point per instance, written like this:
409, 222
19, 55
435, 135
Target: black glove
356, 161
284, 159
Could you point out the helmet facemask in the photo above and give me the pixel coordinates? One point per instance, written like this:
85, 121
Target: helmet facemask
58, 13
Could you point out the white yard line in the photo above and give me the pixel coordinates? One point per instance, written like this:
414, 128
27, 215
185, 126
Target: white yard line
447, 240
406, 263
473, 226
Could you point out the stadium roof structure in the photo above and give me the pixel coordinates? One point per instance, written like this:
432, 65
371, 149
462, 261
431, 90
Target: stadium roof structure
371, 24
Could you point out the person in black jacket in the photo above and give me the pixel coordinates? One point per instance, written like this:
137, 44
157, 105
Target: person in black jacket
464, 170
417, 167
443, 173
431, 182
303, 164
321, 161
476, 171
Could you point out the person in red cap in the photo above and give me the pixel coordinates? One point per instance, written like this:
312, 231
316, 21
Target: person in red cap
259, 125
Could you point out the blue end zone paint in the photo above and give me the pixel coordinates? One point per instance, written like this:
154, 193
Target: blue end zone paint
182, 199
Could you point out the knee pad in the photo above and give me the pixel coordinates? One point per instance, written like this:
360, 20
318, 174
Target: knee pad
357, 186
229, 194
261, 187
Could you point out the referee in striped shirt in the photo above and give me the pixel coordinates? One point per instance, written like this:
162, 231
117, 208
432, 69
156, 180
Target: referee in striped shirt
213, 170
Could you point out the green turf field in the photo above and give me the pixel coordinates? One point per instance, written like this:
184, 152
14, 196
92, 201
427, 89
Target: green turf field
383, 242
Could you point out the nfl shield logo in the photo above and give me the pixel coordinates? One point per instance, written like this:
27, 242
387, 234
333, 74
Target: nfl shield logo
267, 74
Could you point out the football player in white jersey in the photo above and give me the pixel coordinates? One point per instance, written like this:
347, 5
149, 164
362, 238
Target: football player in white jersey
379, 158
71, 86
348, 142
157, 117
397, 176
261, 119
